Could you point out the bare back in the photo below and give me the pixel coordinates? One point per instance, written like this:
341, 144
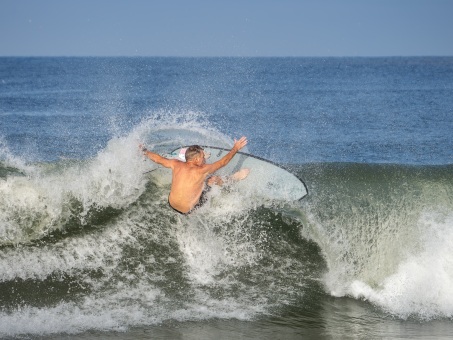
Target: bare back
188, 182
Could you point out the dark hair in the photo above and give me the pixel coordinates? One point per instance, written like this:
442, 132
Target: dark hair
193, 151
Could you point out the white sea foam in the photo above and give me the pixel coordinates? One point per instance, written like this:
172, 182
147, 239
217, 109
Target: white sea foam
387, 238
32, 206
117, 292
422, 285
209, 247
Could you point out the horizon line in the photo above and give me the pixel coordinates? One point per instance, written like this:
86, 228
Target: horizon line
225, 56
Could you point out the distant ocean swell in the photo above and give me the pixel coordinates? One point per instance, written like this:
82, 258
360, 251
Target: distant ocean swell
92, 244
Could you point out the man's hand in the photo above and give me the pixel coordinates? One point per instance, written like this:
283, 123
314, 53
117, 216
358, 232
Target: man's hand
239, 144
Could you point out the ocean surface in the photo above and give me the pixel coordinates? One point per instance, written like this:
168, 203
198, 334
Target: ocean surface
89, 248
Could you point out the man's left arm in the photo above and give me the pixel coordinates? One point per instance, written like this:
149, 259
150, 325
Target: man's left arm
238, 145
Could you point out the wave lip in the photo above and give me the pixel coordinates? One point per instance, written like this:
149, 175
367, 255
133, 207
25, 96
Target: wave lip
422, 285
385, 231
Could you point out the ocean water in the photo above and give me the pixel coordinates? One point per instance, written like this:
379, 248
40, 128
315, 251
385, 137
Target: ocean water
89, 248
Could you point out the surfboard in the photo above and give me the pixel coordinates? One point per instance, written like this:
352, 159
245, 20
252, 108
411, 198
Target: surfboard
266, 178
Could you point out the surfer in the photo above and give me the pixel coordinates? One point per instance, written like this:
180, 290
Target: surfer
189, 178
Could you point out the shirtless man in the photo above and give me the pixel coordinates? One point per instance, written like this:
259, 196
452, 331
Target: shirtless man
189, 177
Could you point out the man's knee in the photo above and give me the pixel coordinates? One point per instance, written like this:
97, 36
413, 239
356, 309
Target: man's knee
215, 180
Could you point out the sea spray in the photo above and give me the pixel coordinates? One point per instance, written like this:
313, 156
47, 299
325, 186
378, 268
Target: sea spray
45, 197
50, 196
383, 230
428, 270
103, 250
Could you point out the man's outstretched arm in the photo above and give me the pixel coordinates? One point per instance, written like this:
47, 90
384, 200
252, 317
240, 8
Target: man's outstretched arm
156, 158
238, 145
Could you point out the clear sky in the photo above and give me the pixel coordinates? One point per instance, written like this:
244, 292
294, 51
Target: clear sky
226, 28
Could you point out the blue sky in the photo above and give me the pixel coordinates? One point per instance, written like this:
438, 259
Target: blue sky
226, 28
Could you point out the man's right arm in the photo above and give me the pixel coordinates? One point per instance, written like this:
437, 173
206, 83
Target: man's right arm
156, 158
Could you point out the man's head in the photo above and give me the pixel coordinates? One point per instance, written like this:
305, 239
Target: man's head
193, 152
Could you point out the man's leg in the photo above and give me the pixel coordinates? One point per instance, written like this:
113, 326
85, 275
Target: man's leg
237, 176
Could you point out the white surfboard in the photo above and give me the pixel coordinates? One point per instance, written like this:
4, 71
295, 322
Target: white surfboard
266, 179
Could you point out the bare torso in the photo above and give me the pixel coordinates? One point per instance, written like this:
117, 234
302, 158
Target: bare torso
188, 182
